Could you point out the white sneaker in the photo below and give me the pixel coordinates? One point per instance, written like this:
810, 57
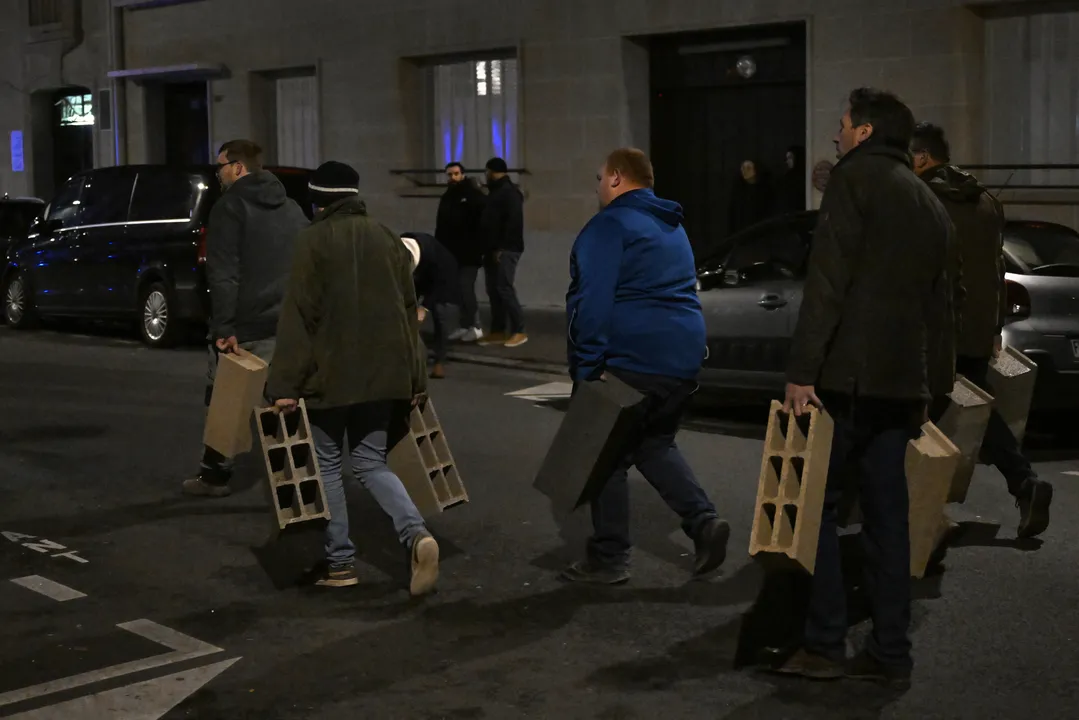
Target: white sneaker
458, 334
472, 335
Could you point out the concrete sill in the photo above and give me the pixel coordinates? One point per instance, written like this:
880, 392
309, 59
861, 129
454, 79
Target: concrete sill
50, 32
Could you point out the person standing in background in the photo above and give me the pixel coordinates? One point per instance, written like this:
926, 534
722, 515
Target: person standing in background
979, 226
434, 273
458, 228
502, 227
251, 232
751, 198
791, 190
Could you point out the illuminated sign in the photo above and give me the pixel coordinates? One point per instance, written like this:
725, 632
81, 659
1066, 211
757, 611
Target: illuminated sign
76, 110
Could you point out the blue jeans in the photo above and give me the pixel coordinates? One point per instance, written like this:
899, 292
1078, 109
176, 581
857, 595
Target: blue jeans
872, 434
654, 452
363, 429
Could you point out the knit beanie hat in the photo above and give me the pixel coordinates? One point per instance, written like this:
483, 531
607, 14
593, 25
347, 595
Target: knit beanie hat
414, 248
332, 181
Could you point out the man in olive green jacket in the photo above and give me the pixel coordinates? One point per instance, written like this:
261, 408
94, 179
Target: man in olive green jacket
348, 343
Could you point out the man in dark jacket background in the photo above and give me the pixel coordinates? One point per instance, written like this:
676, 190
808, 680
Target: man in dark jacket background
252, 228
434, 273
979, 227
502, 225
349, 344
876, 295
458, 228
633, 312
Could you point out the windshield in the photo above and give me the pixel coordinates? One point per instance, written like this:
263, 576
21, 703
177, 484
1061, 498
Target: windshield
1039, 246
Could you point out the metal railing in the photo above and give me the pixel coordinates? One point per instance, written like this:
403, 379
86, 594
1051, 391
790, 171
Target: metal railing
1014, 169
410, 175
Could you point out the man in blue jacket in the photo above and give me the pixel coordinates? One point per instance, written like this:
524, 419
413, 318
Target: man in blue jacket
633, 313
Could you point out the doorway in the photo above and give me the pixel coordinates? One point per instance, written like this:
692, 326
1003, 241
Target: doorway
719, 98
186, 117
63, 136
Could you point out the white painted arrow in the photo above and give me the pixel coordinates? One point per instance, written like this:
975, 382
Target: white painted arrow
547, 391
149, 700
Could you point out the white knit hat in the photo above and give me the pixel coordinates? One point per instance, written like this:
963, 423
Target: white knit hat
413, 248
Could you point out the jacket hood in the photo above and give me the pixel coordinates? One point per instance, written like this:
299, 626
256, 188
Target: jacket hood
951, 183
346, 206
877, 146
667, 211
261, 188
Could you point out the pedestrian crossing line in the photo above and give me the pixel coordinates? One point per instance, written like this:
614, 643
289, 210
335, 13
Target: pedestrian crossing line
48, 588
1070, 472
546, 392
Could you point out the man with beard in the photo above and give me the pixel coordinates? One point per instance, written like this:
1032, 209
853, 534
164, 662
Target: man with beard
458, 228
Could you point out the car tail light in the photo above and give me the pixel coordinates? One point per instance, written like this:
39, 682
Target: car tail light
1018, 300
202, 245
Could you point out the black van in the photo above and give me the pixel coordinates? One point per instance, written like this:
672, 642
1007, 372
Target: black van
123, 243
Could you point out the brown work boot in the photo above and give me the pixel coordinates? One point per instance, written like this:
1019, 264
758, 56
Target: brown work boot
517, 340
810, 665
424, 565
493, 339
438, 372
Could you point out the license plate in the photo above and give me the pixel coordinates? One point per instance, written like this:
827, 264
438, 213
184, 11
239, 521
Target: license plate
1075, 349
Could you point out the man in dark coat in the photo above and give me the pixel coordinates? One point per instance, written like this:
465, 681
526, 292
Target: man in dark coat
502, 225
458, 228
435, 276
349, 344
877, 303
252, 229
979, 227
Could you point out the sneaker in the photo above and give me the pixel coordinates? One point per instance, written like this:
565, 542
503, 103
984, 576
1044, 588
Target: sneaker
339, 575
438, 372
199, 487
516, 340
810, 665
711, 546
584, 571
493, 339
424, 566
1033, 503
472, 335
864, 666
456, 335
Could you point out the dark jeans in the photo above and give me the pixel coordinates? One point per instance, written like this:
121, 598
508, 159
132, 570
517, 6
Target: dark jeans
999, 447
654, 452
499, 277
470, 308
439, 316
872, 434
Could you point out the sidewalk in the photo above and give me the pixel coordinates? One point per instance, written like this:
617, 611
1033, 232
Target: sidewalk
545, 350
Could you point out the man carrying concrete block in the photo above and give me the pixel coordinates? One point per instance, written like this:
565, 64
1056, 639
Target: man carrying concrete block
633, 313
979, 226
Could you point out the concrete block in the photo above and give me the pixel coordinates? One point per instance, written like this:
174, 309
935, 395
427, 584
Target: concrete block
790, 489
1012, 376
294, 481
589, 443
930, 464
964, 423
420, 456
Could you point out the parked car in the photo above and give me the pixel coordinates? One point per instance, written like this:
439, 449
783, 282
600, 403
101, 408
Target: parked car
123, 243
16, 216
750, 286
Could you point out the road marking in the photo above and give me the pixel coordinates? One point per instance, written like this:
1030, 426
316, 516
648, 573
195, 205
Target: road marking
42, 545
1071, 472
148, 700
183, 647
48, 588
544, 393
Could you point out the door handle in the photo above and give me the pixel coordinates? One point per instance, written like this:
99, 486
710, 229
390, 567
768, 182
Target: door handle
771, 302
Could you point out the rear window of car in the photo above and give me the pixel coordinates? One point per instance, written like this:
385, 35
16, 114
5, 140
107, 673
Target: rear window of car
166, 195
1038, 246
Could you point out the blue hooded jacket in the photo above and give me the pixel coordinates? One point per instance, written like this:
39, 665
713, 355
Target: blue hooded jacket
632, 301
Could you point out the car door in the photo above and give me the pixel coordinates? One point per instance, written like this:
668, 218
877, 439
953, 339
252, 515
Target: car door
751, 307
105, 199
49, 259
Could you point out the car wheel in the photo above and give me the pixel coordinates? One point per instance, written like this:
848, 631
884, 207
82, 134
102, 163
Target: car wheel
157, 326
19, 310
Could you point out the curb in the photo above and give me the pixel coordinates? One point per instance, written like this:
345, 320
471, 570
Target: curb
507, 363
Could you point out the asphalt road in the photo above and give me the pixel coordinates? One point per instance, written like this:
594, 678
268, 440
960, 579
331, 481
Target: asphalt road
96, 435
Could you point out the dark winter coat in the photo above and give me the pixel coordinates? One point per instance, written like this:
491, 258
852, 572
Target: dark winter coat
458, 223
435, 277
251, 233
502, 223
876, 316
979, 227
750, 203
349, 331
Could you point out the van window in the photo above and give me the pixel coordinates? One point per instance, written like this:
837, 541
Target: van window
105, 197
164, 195
66, 208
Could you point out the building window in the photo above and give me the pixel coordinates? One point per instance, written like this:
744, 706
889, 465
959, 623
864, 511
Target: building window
297, 121
45, 12
76, 110
475, 112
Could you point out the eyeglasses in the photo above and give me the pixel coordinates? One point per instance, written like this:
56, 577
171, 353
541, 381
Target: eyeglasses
222, 166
